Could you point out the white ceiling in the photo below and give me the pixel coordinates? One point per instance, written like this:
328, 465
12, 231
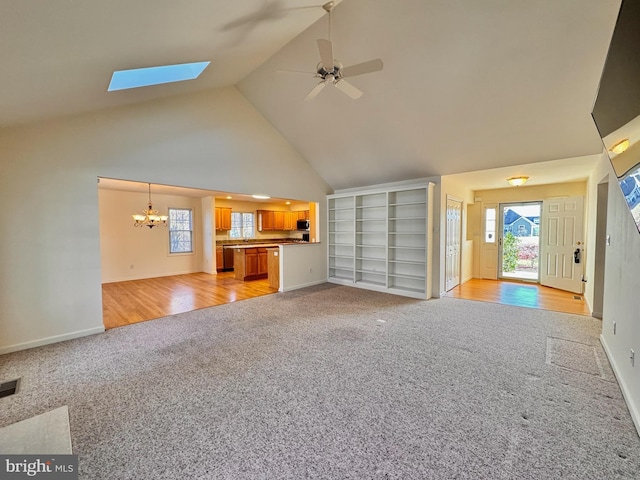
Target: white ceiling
467, 85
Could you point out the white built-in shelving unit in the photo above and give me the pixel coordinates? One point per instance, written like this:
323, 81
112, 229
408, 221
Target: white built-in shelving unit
380, 239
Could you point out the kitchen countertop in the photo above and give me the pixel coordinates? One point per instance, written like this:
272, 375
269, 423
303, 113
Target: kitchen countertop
264, 245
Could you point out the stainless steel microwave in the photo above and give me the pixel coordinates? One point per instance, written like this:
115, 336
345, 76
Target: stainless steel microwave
302, 225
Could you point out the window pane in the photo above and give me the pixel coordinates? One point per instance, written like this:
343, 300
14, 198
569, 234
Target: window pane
241, 225
490, 225
180, 230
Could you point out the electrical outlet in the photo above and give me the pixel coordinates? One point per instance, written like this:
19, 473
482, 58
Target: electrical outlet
632, 357
614, 327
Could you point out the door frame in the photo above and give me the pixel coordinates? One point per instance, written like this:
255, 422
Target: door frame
501, 208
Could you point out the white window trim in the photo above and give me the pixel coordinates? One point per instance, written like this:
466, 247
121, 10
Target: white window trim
193, 235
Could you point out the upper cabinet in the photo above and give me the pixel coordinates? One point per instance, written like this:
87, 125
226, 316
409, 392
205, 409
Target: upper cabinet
223, 218
280, 221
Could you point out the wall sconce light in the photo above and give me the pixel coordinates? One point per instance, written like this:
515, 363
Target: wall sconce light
620, 147
517, 181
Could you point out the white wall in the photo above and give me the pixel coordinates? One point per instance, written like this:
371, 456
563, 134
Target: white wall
622, 284
129, 252
50, 282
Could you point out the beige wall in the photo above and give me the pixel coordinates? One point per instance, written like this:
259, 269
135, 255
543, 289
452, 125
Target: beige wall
128, 253
511, 195
51, 269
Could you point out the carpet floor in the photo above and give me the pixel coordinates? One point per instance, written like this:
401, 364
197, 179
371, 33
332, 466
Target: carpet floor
332, 382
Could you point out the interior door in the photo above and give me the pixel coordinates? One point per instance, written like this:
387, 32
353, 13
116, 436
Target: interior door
561, 259
453, 240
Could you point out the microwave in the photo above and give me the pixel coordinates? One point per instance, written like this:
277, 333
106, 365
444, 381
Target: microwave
302, 225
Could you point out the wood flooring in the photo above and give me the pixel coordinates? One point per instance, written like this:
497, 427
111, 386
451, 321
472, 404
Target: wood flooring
520, 294
125, 303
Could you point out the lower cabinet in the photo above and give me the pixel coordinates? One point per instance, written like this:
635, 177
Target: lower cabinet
219, 259
250, 263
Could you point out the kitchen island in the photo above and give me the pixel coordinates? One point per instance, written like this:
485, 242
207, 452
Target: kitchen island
299, 264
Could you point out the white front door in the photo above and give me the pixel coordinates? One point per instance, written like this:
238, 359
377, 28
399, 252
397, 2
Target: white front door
453, 240
562, 243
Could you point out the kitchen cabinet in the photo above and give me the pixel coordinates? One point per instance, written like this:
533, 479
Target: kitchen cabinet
250, 263
278, 221
223, 218
265, 220
273, 267
290, 220
219, 259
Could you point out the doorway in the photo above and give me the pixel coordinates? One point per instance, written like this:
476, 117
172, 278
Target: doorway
519, 241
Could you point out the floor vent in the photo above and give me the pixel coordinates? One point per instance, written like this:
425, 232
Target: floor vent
9, 388
577, 297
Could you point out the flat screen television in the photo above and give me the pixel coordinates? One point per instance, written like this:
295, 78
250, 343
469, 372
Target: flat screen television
616, 111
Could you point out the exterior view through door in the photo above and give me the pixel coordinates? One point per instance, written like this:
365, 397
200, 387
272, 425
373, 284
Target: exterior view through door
519, 243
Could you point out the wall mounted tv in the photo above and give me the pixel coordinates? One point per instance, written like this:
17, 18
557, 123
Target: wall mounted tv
616, 111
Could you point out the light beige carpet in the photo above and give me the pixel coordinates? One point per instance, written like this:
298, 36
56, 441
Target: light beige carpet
48, 433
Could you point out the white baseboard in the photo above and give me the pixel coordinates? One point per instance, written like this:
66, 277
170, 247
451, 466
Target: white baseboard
48, 340
304, 285
633, 410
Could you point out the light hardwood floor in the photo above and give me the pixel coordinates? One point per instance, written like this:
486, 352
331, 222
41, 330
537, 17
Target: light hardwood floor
520, 294
124, 303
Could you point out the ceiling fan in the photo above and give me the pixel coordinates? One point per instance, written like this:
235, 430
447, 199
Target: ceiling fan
333, 73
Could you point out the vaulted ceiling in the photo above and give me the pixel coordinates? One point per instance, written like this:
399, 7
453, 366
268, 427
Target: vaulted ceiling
467, 85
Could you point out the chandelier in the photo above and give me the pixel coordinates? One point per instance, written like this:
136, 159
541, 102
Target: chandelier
150, 217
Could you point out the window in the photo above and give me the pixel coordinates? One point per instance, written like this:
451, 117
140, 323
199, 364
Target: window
180, 230
490, 225
521, 230
143, 77
241, 225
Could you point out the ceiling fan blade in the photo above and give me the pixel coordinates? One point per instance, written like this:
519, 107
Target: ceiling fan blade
360, 68
326, 54
347, 88
316, 90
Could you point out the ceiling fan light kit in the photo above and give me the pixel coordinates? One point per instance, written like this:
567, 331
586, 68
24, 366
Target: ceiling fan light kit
331, 71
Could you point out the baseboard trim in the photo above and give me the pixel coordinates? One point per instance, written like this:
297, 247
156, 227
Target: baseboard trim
49, 340
635, 413
305, 285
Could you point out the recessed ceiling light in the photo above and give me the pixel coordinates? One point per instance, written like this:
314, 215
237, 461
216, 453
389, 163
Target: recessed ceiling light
288, 203
229, 197
144, 77
261, 197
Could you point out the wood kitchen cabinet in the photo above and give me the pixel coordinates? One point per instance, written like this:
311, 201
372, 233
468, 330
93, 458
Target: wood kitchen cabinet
223, 218
303, 215
290, 220
265, 220
219, 259
250, 263
278, 221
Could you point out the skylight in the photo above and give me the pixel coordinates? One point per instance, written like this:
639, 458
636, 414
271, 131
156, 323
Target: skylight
143, 77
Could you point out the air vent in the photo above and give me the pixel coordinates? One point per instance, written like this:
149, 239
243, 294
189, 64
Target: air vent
577, 297
9, 388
